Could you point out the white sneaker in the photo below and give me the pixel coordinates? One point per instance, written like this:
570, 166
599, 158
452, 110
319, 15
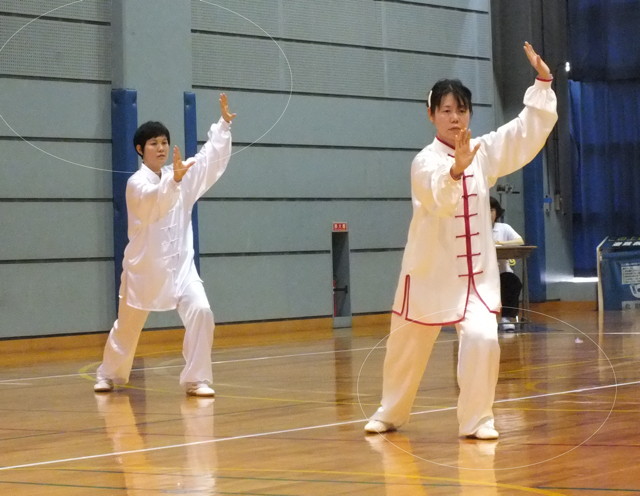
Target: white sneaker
378, 427
201, 389
507, 325
103, 386
485, 431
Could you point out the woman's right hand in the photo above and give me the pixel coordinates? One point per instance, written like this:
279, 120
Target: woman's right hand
463, 154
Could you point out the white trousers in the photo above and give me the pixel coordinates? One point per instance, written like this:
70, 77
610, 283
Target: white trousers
197, 317
408, 349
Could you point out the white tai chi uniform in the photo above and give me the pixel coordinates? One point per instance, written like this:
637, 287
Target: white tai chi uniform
449, 273
158, 268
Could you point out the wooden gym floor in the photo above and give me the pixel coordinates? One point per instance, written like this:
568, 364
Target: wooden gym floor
290, 407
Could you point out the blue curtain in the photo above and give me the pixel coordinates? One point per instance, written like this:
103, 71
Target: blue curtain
603, 39
605, 123
605, 133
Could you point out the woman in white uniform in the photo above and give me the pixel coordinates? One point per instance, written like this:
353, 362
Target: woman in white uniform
158, 268
449, 273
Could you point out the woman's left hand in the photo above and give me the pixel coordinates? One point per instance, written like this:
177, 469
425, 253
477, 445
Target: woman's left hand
224, 108
536, 62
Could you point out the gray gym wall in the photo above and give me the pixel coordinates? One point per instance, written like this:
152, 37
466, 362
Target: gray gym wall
56, 248
335, 145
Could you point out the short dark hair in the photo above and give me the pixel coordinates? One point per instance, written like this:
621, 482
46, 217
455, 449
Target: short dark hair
443, 87
147, 131
495, 205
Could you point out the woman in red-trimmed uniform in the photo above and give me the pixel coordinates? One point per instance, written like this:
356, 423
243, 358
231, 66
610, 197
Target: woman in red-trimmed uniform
449, 273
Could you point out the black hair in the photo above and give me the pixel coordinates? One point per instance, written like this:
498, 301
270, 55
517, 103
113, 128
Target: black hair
147, 131
443, 87
495, 205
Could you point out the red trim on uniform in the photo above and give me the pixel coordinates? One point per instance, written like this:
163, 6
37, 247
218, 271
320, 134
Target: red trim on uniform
430, 324
545, 80
405, 297
445, 143
465, 235
471, 275
483, 302
467, 229
471, 255
439, 324
404, 312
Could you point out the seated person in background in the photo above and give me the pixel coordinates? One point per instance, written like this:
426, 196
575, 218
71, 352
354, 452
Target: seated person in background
510, 284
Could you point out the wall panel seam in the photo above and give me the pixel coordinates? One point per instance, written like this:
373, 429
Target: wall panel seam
50, 139
302, 199
264, 253
56, 200
322, 147
56, 78
337, 44
55, 260
435, 6
316, 94
69, 20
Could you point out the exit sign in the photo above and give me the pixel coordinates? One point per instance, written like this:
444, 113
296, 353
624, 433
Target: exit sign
340, 226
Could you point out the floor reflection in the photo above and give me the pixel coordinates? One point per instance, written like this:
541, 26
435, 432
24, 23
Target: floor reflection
197, 416
401, 473
406, 474
344, 377
476, 467
142, 469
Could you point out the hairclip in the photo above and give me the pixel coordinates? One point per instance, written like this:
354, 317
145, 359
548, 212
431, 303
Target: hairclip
429, 99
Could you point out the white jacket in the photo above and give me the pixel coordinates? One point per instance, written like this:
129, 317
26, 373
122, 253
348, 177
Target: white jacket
450, 249
158, 260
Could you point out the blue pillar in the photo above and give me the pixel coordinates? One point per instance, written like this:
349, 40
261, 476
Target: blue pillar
190, 149
534, 228
124, 162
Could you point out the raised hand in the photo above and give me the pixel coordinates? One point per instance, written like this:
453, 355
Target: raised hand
180, 168
536, 62
463, 154
224, 108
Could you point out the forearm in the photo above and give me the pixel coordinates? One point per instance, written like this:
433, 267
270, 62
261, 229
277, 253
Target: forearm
150, 202
211, 160
437, 191
517, 142
511, 242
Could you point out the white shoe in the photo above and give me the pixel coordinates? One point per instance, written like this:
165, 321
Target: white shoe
201, 389
103, 386
507, 325
485, 431
378, 427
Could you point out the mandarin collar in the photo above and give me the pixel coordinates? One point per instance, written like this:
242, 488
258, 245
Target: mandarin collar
443, 146
150, 174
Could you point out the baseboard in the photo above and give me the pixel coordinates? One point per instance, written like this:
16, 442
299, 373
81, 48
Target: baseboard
565, 306
253, 333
